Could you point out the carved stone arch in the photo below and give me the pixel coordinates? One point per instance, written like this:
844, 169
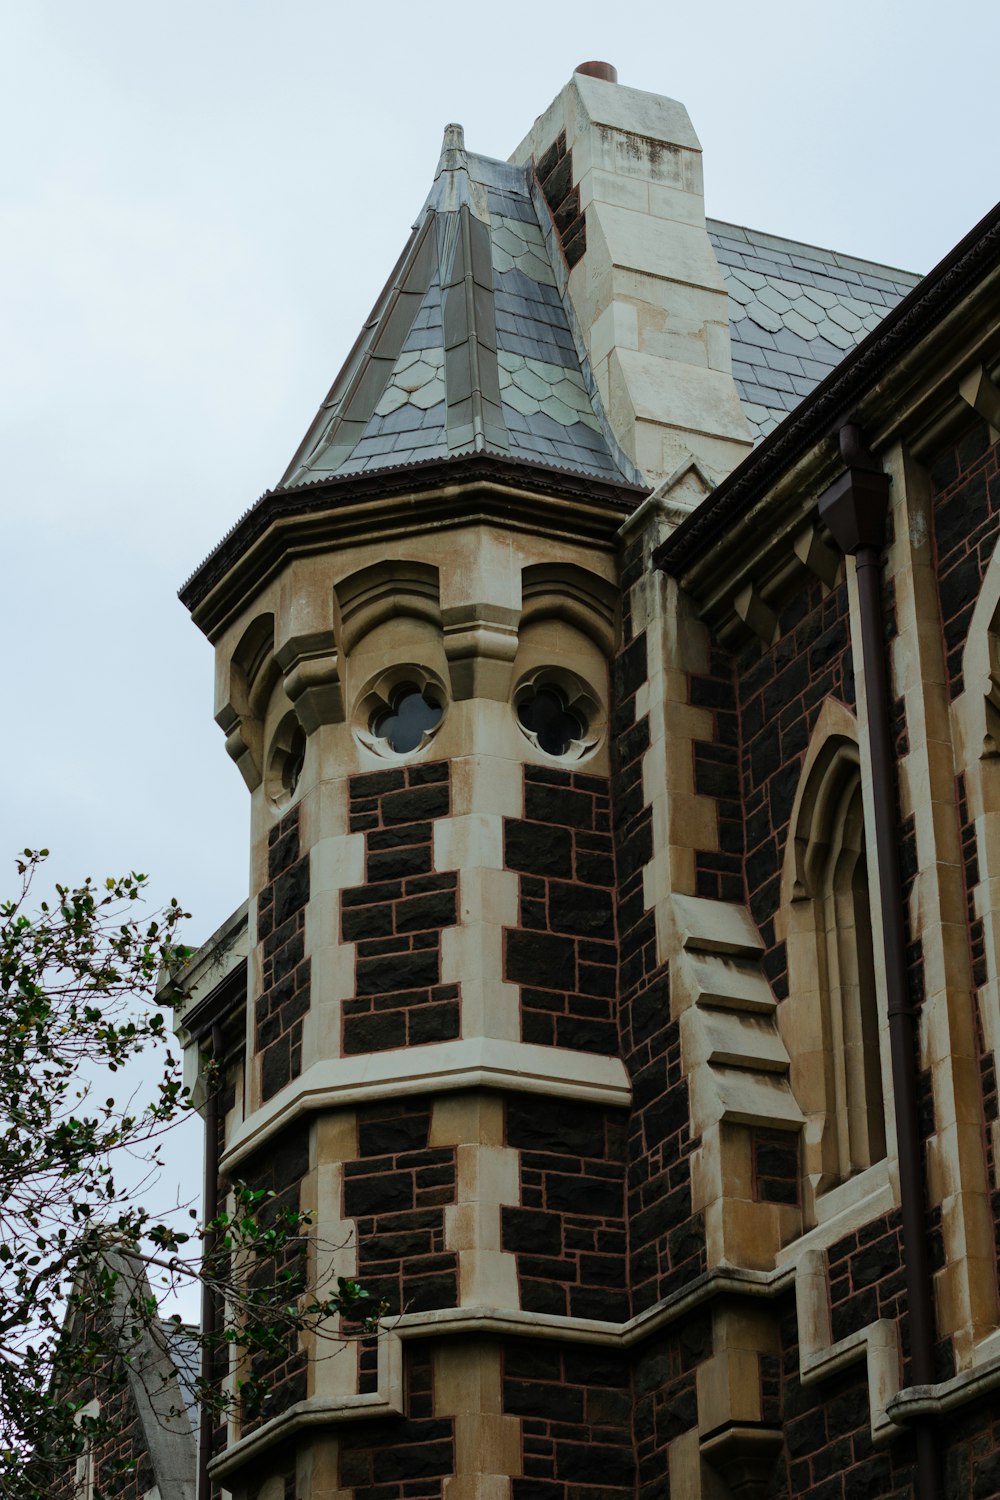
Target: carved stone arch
568, 592
250, 678
830, 1020
383, 591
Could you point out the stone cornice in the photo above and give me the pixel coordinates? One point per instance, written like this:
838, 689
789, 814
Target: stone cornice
436, 495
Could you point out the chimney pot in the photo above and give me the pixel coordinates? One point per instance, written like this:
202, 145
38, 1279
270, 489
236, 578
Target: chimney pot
598, 70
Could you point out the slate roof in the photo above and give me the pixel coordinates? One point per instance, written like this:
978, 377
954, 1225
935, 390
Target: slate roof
795, 311
472, 347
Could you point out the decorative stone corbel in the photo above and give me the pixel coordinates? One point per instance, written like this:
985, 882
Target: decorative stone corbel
243, 744
814, 553
311, 672
983, 395
756, 614
480, 643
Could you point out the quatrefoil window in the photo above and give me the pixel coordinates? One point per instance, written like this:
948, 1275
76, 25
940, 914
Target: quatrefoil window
411, 714
545, 715
400, 711
559, 713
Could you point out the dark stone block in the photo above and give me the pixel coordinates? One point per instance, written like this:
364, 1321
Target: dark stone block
554, 804
537, 848
418, 803
439, 1022
529, 1229
590, 1195
396, 864
432, 771
365, 922
419, 913
591, 1463
282, 851
537, 958
387, 1137
421, 1293
380, 976
380, 1032
582, 1034
381, 1193
275, 1067
580, 909
543, 1297
410, 1459
630, 668
535, 1124
374, 783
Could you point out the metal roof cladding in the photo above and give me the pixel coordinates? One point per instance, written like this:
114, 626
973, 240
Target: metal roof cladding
473, 345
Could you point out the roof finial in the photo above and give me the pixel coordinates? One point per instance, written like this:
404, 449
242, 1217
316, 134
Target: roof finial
454, 138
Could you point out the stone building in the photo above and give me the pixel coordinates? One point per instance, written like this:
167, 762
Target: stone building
614, 673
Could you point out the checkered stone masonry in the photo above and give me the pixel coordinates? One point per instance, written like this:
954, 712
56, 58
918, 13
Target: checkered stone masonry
569, 1233
563, 954
396, 1192
397, 916
285, 993
666, 1237
402, 1458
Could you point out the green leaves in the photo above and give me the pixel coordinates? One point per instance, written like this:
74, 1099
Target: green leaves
78, 979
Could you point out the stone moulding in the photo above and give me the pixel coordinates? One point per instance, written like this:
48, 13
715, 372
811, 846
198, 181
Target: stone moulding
488, 1063
321, 1411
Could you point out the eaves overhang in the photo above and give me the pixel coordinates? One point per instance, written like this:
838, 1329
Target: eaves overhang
434, 495
886, 382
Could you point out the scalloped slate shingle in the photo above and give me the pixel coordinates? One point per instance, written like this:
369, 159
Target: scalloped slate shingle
795, 311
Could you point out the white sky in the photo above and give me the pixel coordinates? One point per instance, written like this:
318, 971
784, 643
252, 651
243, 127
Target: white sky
198, 205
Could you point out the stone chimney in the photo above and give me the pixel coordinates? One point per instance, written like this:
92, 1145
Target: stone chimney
622, 173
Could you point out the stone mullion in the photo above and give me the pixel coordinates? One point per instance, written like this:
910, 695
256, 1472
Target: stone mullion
966, 1285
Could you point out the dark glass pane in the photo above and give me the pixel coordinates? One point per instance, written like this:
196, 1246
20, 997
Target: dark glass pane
553, 724
404, 724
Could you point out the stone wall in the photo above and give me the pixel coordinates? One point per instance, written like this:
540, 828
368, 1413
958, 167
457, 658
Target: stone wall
569, 1233
396, 918
563, 954
285, 969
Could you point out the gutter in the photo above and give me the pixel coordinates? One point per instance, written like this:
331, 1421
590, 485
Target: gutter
855, 509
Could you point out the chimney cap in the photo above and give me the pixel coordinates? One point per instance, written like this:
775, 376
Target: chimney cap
598, 70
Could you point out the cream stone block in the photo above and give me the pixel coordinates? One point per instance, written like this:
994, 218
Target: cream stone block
333, 1140
728, 1387
468, 1388
617, 327
317, 1471
681, 396
706, 926
668, 249
689, 1476
473, 956
719, 347
486, 784
674, 204
611, 187
487, 1178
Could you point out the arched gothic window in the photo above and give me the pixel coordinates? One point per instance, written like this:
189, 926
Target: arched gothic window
833, 1017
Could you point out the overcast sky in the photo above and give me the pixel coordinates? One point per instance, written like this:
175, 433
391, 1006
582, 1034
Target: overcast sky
199, 203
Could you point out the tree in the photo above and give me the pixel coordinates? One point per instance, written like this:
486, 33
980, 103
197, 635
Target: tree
78, 979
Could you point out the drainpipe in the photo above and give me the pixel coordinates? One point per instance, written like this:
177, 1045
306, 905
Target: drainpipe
209, 1307
855, 508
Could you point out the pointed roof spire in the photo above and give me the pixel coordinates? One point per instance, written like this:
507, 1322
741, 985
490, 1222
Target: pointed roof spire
470, 347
